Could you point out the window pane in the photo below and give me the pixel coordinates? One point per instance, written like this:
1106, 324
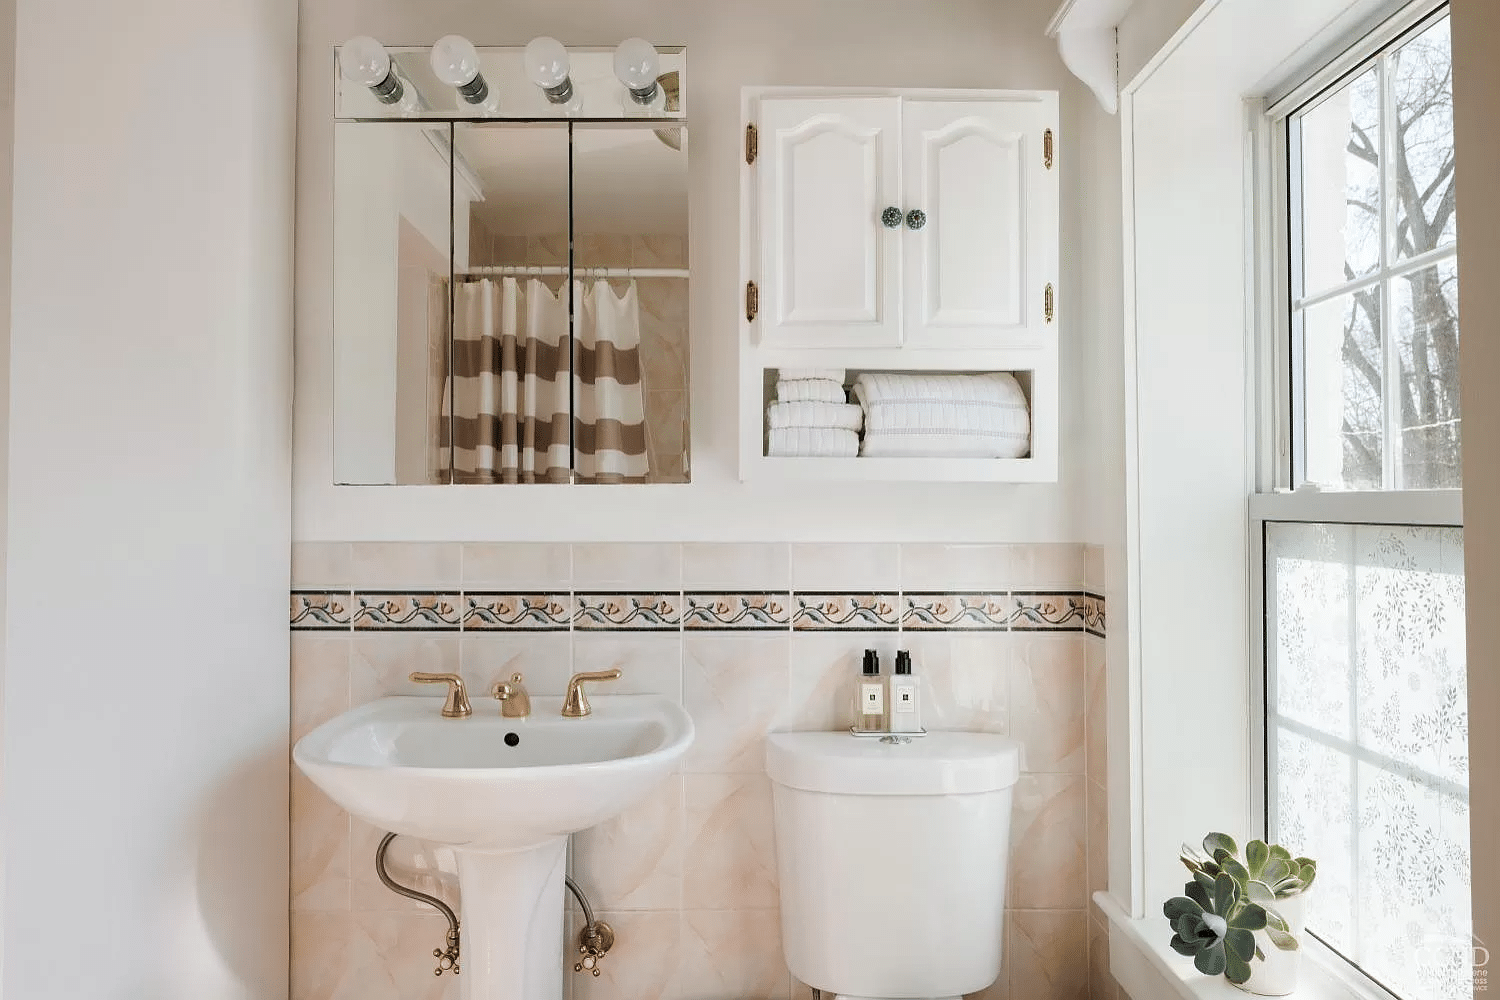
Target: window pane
1422, 89
1340, 143
1344, 396
1373, 781
1426, 310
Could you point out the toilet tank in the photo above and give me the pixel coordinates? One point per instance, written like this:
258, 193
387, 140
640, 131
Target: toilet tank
892, 860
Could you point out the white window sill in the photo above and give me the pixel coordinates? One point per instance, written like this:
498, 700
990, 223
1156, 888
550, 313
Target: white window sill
1148, 969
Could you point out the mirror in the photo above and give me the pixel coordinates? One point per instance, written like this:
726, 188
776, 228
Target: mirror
511, 302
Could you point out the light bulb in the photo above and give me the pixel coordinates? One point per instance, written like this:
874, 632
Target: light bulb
637, 66
455, 61
364, 61
546, 62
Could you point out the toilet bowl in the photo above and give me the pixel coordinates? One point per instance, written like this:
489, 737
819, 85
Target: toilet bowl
892, 861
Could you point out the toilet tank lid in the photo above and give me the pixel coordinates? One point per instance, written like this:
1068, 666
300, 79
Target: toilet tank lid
939, 763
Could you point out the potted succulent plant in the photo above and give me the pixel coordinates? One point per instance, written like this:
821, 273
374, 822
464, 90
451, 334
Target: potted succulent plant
1242, 917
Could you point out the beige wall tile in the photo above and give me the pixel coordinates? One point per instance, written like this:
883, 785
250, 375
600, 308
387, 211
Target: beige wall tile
544, 659
406, 565
645, 964
390, 958
823, 671
1047, 852
320, 679
735, 687
320, 956
1047, 700
730, 857
524, 567
1101, 983
380, 664
664, 250
965, 679
321, 565
737, 566
1096, 720
943, 568
1056, 565
319, 849
1048, 952
634, 861
1094, 569
861, 568
1098, 838
649, 663
640, 566
426, 867
732, 955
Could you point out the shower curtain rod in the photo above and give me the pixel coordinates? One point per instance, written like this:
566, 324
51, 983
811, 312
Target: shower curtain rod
552, 270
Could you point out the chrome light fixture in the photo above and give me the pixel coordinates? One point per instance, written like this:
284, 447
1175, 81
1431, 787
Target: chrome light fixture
547, 65
455, 62
364, 61
637, 66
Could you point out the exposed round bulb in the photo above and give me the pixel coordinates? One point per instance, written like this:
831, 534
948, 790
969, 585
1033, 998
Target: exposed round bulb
636, 63
364, 61
546, 62
455, 61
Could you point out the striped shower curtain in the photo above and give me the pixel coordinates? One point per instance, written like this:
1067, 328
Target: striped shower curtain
509, 398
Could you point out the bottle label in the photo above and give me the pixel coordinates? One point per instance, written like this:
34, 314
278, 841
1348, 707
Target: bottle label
872, 699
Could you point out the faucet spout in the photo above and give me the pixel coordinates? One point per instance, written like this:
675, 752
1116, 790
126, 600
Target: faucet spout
515, 703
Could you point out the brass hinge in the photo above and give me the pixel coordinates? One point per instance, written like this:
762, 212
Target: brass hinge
752, 301
1047, 155
1049, 303
752, 143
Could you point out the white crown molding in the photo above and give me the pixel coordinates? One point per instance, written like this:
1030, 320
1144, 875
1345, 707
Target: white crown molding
1086, 40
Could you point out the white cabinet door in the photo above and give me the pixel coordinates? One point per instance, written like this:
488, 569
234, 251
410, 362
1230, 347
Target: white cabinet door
830, 270
977, 272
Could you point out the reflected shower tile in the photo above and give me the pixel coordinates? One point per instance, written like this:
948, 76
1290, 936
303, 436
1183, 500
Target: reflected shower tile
547, 250
664, 250
604, 250
667, 441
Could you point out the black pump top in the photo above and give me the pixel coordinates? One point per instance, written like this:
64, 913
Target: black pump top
872, 663
903, 662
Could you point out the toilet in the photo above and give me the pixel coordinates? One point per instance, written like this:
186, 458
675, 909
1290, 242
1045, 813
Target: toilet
892, 858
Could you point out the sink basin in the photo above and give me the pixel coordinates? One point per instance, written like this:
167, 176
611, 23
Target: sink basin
399, 765
504, 794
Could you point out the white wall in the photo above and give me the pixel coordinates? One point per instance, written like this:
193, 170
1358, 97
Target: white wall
146, 676
730, 44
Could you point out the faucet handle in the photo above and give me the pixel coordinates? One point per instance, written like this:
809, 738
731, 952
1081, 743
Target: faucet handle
515, 703
576, 704
457, 704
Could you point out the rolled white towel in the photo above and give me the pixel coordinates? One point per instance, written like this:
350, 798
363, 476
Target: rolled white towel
812, 442
894, 444
845, 416
800, 374
959, 417
872, 388
813, 390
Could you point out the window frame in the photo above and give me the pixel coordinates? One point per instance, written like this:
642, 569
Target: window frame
1277, 461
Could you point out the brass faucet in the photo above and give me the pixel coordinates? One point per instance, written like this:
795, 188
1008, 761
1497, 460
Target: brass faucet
576, 704
515, 703
457, 705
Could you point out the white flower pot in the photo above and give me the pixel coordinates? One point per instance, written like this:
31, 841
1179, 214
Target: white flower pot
1277, 975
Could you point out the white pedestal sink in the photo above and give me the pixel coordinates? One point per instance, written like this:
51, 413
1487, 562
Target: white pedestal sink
505, 810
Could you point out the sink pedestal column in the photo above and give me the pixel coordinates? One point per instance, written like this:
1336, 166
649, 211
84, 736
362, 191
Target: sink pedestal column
511, 922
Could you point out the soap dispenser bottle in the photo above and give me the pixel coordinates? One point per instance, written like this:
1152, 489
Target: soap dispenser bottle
905, 715
869, 697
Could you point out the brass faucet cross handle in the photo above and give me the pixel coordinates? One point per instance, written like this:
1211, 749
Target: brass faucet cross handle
457, 705
576, 704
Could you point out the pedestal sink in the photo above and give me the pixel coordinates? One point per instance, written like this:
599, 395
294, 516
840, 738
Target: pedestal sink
504, 794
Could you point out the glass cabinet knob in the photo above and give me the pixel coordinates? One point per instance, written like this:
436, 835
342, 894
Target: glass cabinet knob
916, 219
891, 218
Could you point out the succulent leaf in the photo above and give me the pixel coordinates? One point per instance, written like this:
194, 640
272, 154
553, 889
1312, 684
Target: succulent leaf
1234, 869
1256, 856
1308, 873
1198, 890
1189, 927
1210, 961
1179, 905
1182, 947
1281, 939
1226, 894
1252, 917
1240, 942
1258, 892
1216, 842
1236, 969
1277, 871
1277, 851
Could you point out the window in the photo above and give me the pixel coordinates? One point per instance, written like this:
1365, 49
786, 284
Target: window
1366, 720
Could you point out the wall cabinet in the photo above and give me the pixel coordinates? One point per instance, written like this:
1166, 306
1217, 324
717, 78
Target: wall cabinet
901, 230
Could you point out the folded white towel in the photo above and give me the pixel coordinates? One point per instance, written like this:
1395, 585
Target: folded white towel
812, 390
957, 417
812, 442
799, 374
845, 416
890, 387
894, 444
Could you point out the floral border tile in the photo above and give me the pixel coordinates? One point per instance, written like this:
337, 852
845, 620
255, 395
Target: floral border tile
855, 612
403, 611
744, 610
955, 612
517, 612
627, 612
320, 610
1093, 615
1056, 612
